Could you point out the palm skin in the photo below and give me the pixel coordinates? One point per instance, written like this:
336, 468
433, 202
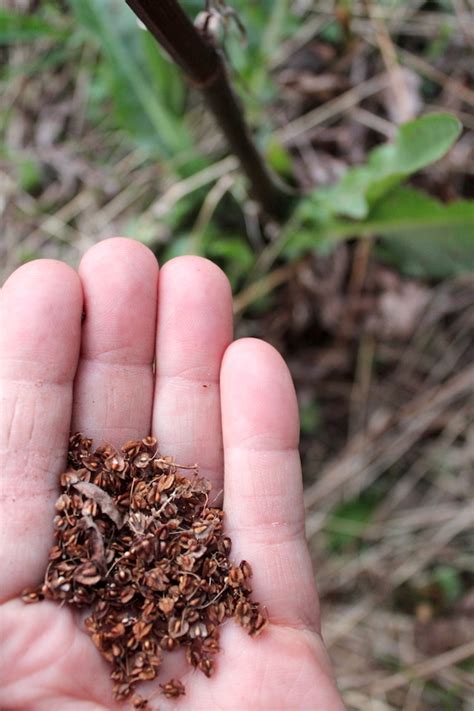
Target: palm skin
118, 351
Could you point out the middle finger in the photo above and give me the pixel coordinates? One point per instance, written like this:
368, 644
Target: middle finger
194, 329
114, 383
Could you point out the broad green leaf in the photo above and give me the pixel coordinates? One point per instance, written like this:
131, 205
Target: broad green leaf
440, 246
408, 208
423, 236
417, 144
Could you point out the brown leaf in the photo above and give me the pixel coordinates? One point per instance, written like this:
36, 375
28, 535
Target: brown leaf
102, 499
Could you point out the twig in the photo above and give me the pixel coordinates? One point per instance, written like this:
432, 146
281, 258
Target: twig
204, 67
357, 278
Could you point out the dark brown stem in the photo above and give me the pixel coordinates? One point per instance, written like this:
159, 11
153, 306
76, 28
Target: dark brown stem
204, 67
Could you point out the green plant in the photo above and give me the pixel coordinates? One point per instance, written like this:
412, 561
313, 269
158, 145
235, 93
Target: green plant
419, 233
147, 90
348, 520
134, 88
195, 49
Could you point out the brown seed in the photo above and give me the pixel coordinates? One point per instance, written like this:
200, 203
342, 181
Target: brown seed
166, 482
117, 650
207, 666
173, 689
116, 463
210, 645
131, 448
168, 643
235, 577
122, 691
102, 498
142, 460
246, 569
117, 630
199, 629
166, 605
138, 702
29, 595
86, 574
177, 628
141, 629
137, 543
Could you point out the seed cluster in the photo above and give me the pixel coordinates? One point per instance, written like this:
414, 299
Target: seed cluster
137, 542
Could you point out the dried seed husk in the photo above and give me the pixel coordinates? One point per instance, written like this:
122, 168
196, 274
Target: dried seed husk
137, 543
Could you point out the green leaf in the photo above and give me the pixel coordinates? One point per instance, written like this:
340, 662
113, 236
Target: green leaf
424, 237
419, 234
233, 253
278, 157
348, 520
166, 79
417, 144
310, 417
141, 108
449, 580
29, 174
407, 208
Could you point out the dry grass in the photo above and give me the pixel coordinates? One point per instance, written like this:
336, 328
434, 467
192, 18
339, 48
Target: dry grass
393, 637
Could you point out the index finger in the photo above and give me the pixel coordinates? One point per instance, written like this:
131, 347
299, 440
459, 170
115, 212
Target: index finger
41, 305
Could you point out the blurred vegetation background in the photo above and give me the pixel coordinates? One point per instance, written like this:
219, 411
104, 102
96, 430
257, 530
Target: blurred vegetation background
367, 291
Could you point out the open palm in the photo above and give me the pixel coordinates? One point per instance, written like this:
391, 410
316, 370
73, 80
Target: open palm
153, 353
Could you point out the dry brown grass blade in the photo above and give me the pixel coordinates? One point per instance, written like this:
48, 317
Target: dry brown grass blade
387, 438
425, 669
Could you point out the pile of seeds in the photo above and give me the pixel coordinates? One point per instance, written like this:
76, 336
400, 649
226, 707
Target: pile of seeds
138, 543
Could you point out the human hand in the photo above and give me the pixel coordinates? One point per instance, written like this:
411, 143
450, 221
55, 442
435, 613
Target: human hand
231, 407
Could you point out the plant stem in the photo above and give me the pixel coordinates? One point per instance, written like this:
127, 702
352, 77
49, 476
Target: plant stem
204, 67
